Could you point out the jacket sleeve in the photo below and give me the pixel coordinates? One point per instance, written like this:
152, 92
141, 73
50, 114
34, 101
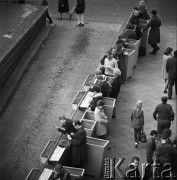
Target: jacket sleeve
142, 119
62, 130
155, 113
172, 114
81, 138
147, 26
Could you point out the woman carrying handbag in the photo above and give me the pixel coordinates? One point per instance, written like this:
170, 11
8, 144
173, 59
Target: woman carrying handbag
137, 120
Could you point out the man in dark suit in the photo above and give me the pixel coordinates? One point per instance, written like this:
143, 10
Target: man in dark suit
171, 70
154, 33
78, 147
66, 126
165, 115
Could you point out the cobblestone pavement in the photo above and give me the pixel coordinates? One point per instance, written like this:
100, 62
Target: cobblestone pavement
56, 75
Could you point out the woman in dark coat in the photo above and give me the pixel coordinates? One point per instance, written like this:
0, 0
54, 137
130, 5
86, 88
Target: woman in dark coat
154, 33
63, 7
80, 8
78, 143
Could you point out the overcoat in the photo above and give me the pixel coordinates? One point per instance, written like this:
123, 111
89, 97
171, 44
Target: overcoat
80, 7
78, 143
137, 118
63, 6
154, 33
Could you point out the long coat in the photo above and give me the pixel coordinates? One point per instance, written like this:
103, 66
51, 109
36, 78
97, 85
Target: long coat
80, 7
63, 6
79, 148
137, 118
154, 33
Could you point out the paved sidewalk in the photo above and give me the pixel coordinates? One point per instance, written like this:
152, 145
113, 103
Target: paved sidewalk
147, 85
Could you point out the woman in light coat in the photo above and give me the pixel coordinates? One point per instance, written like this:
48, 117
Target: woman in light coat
167, 54
101, 118
137, 120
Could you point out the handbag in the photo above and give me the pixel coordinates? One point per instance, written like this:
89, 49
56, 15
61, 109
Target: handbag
142, 137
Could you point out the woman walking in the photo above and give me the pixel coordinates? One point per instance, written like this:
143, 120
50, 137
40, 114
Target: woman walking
63, 7
137, 119
167, 54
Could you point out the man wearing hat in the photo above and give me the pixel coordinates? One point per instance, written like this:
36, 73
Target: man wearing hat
165, 115
66, 126
154, 33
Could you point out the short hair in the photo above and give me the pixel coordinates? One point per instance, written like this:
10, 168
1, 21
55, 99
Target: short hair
135, 158
164, 136
168, 50
120, 41
62, 117
135, 8
153, 132
167, 132
100, 103
164, 99
129, 26
154, 12
78, 123
175, 53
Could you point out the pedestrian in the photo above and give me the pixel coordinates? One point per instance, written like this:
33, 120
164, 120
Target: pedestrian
115, 87
137, 120
104, 85
154, 33
60, 173
129, 31
171, 70
132, 170
166, 55
78, 146
45, 3
165, 115
168, 133
96, 97
151, 146
165, 152
63, 7
80, 8
66, 126
101, 119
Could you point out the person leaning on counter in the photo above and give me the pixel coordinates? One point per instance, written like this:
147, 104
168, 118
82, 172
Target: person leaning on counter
78, 145
66, 126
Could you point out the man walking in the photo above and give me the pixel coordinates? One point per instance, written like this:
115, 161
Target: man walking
171, 70
165, 115
154, 33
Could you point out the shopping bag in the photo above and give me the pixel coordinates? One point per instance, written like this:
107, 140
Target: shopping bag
142, 137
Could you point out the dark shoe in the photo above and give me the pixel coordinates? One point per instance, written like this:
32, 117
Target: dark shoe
157, 49
78, 24
81, 24
165, 91
169, 97
113, 116
50, 22
136, 145
70, 16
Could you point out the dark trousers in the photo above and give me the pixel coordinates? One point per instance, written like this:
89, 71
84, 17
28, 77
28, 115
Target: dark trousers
137, 134
48, 16
155, 47
162, 124
171, 83
149, 160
